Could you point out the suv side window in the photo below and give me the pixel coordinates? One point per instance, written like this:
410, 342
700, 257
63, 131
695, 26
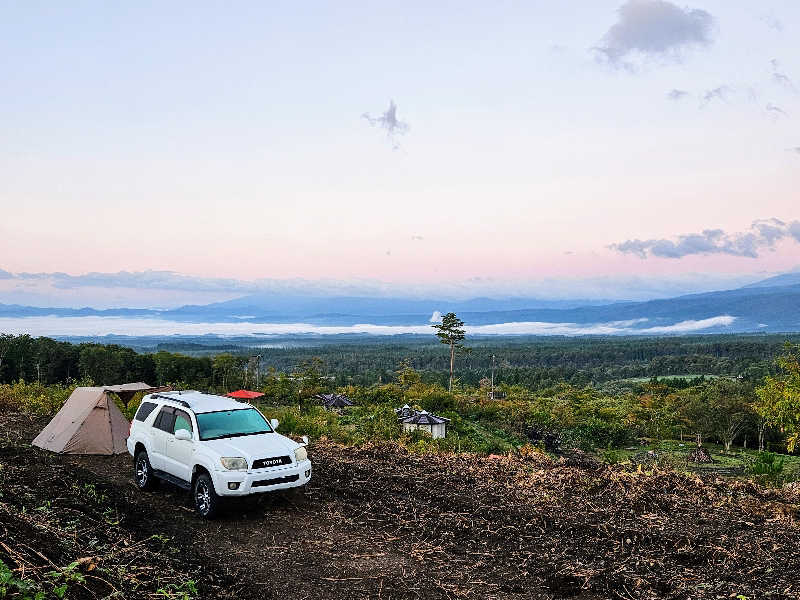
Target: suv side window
145, 408
182, 421
165, 419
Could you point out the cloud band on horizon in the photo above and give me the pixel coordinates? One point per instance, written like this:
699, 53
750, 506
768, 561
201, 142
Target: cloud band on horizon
763, 234
101, 326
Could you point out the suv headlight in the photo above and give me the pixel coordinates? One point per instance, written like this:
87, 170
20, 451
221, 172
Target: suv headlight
300, 454
234, 463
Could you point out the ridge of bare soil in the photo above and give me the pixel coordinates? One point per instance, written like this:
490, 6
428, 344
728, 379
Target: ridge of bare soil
380, 522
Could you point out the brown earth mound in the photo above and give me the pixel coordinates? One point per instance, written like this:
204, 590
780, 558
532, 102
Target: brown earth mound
379, 522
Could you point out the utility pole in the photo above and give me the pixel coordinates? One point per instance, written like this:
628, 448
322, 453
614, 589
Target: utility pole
491, 394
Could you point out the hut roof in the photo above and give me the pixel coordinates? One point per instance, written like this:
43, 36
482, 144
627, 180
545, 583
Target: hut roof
335, 400
423, 417
405, 412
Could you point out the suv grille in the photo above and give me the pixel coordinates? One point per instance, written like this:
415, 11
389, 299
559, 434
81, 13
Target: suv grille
263, 463
275, 481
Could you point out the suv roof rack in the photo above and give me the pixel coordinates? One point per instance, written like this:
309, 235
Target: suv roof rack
175, 400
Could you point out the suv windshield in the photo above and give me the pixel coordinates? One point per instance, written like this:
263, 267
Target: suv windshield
231, 423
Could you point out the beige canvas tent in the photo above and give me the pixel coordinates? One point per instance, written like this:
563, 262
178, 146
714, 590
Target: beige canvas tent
89, 422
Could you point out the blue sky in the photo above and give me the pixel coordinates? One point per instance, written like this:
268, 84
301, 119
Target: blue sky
227, 141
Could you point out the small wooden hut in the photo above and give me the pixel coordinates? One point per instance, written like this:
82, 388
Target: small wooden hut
336, 402
425, 421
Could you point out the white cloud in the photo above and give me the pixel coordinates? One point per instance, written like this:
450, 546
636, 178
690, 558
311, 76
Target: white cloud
763, 234
611, 328
628, 322
688, 326
99, 326
772, 22
169, 290
389, 122
721, 92
655, 28
783, 80
776, 111
163, 280
676, 94
162, 289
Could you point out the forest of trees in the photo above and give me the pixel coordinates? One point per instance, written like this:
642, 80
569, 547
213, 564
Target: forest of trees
731, 389
535, 363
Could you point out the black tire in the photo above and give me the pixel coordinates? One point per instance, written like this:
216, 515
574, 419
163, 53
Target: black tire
206, 501
143, 471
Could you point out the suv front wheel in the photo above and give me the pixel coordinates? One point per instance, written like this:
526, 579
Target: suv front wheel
206, 501
143, 471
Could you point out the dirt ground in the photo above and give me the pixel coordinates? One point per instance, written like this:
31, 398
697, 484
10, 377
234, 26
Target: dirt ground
378, 522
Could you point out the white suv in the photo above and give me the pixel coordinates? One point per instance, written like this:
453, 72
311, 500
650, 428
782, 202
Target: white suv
213, 446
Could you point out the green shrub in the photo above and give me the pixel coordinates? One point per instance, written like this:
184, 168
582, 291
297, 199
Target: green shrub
316, 422
33, 398
597, 434
611, 456
421, 442
767, 465
375, 394
379, 425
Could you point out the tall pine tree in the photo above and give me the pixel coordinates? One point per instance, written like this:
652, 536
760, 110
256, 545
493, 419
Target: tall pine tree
451, 332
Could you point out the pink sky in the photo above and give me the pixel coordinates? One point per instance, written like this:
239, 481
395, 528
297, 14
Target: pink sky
132, 147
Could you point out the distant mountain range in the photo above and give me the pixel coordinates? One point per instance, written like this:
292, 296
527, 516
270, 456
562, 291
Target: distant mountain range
753, 309
771, 305
281, 308
270, 307
778, 281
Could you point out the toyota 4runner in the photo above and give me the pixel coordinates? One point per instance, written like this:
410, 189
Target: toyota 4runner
213, 446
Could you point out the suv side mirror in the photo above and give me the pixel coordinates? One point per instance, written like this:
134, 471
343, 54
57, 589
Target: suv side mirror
273, 423
183, 434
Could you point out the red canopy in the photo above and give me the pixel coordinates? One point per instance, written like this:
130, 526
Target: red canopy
244, 394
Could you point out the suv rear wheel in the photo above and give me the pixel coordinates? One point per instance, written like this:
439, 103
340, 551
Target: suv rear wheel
143, 471
206, 501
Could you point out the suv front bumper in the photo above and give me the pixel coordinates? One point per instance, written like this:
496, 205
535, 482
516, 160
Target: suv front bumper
262, 480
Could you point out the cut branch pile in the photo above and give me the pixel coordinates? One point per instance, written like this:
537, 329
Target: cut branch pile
700, 455
507, 527
380, 522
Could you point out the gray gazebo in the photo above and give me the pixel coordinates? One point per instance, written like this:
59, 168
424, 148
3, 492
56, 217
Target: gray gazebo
425, 421
335, 401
